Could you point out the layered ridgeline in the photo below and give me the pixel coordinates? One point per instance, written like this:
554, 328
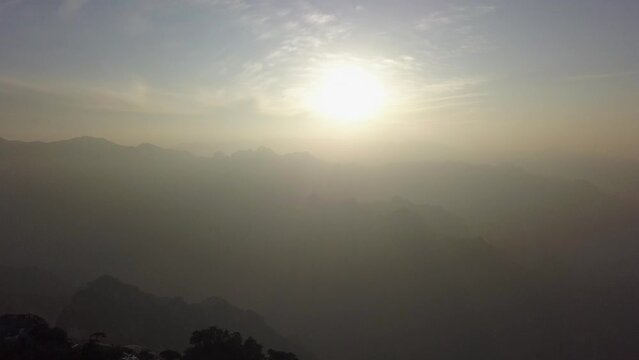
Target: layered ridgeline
127, 315
130, 316
335, 254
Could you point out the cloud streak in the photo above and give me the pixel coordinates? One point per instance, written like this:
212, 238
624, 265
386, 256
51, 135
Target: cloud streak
602, 76
268, 53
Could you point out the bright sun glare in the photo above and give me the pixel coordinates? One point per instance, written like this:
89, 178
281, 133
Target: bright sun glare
347, 93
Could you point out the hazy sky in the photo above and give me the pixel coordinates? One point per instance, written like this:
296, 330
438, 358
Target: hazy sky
504, 74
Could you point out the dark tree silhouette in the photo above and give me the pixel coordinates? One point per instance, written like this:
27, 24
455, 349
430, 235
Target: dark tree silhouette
95, 337
146, 355
280, 355
26, 337
170, 355
218, 344
252, 350
29, 337
214, 343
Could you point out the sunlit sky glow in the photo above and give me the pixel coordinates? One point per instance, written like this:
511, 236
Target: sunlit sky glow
173, 71
347, 93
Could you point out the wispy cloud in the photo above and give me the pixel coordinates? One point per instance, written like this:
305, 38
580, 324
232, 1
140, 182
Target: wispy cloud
280, 78
133, 97
293, 35
319, 18
69, 8
281, 48
437, 94
452, 16
601, 76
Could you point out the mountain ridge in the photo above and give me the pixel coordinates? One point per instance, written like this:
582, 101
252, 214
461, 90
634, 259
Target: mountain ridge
308, 244
130, 315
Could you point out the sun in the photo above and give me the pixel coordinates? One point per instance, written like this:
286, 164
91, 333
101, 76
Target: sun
347, 93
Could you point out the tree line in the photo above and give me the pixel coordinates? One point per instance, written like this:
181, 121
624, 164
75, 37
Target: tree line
29, 337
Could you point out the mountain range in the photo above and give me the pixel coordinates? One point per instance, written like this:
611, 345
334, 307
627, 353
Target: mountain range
439, 259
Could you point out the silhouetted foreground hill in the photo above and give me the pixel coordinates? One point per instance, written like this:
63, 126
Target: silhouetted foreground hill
130, 316
29, 337
323, 253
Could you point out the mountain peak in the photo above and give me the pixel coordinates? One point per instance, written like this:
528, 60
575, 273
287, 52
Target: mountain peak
106, 279
148, 146
130, 315
110, 287
85, 140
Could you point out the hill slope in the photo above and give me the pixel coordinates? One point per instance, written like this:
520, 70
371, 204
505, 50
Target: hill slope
130, 316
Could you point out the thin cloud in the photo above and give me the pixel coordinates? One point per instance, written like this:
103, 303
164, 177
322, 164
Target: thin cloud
134, 97
319, 18
452, 16
602, 76
69, 8
288, 41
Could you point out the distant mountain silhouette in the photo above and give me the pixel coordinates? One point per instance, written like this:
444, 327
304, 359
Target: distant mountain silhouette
439, 260
131, 316
617, 176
